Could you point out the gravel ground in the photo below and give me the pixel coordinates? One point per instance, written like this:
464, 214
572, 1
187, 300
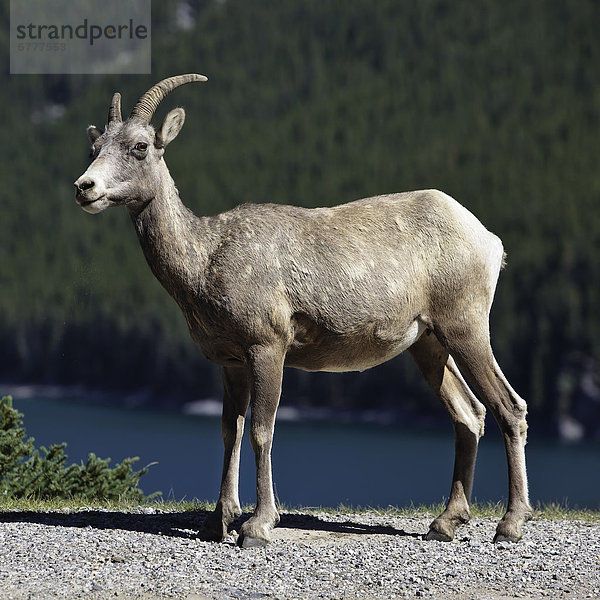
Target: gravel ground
152, 554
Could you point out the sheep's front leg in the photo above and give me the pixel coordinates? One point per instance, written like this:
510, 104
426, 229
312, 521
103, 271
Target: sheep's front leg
266, 373
236, 384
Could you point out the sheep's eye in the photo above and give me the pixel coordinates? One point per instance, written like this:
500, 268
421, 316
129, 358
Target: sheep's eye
141, 146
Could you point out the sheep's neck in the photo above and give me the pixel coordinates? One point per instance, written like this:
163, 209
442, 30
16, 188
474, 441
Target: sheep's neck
174, 241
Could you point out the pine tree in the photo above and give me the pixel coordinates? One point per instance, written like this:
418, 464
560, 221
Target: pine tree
26, 471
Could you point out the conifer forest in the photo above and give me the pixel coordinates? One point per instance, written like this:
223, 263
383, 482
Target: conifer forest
319, 102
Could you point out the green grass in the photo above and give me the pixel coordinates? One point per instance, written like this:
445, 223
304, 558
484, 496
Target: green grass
490, 510
74, 504
555, 510
550, 511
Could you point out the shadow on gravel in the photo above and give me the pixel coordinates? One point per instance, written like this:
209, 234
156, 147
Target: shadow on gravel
312, 523
184, 524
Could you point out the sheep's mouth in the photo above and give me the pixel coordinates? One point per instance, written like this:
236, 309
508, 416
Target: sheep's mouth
93, 206
83, 202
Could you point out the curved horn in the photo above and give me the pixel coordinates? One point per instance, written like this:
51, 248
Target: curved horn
147, 104
114, 112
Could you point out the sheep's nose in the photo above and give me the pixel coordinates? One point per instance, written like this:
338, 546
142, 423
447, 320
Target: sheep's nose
83, 186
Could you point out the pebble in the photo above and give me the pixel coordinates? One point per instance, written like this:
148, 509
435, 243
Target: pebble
154, 555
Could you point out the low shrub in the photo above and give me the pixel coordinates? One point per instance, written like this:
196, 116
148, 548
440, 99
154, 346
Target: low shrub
26, 471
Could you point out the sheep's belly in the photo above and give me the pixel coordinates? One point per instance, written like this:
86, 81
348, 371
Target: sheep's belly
352, 353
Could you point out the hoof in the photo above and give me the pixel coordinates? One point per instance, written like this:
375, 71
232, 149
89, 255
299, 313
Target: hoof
256, 532
509, 529
438, 536
499, 537
441, 530
251, 542
214, 527
504, 534
210, 533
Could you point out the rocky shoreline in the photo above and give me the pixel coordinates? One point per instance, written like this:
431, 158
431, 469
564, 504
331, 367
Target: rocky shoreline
150, 554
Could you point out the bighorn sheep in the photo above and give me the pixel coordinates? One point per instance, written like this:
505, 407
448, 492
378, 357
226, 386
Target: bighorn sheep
326, 289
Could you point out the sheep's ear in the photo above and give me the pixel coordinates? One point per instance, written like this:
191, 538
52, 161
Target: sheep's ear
170, 128
93, 133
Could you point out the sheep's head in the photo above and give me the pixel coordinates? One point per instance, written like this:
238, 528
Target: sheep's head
125, 156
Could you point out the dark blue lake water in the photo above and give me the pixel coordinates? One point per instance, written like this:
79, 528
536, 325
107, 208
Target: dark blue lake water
314, 463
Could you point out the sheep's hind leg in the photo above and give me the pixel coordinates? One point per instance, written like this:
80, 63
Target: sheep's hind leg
467, 415
477, 363
235, 405
512, 417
